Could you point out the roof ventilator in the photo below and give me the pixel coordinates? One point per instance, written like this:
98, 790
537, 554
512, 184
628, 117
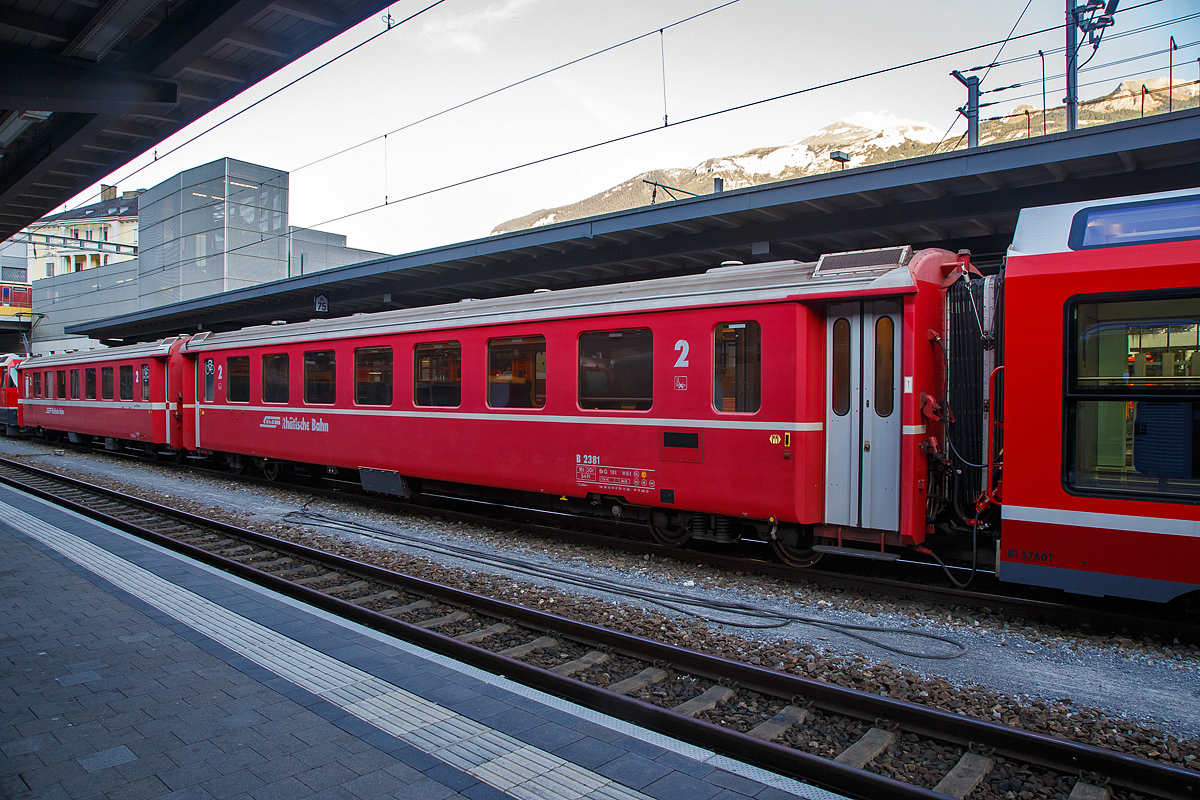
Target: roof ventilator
863, 261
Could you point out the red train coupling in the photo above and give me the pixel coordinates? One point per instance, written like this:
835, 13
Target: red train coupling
930, 407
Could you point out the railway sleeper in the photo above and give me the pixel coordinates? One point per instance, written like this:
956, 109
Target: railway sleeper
647, 677
346, 588
873, 742
774, 727
443, 621
325, 576
968, 773
251, 556
706, 701
483, 633
399, 611
593, 658
371, 598
540, 643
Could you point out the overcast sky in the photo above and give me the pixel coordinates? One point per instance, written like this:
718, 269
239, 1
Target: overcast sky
746, 51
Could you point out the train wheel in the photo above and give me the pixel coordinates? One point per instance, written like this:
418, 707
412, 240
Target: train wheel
666, 531
237, 464
271, 469
795, 548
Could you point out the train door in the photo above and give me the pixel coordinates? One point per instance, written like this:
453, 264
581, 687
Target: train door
862, 414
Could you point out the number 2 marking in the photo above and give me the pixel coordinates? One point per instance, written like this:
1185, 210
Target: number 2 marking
683, 356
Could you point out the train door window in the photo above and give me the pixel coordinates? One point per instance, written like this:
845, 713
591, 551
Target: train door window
1133, 395
437, 375
275, 378
373, 376
517, 372
74, 384
237, 375
737, 367
106, 383
616, 369
319, 372
841, 367
35, 388
210, 380
126, 377
145, 383
61, 380
89, 383
885, 366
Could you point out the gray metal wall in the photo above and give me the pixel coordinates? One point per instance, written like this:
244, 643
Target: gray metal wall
80, 297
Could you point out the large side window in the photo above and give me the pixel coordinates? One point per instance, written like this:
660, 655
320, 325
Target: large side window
275, 378
36, 389
89, 383
61, 380
237, 379
74, 384
517, 372
437, 375
106, 383
1133, 396
616, 369
319, 373
373, 376
126, 373
841, 366
737, 367
210, 380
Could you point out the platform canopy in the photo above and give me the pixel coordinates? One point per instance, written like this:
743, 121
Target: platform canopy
960, 200
87, 85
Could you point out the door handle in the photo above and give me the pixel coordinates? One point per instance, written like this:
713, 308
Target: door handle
867, 446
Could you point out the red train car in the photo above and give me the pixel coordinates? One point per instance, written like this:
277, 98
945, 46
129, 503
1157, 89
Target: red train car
121, 396
1102, 426
857, 406
9, 401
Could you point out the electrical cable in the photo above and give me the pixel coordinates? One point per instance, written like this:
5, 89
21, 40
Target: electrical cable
680, 602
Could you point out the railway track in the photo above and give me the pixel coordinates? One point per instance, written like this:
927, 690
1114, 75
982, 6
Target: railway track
848, 741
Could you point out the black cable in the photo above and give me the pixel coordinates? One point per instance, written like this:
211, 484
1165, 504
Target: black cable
679, 602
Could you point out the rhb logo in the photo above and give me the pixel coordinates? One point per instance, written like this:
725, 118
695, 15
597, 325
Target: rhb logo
269, 422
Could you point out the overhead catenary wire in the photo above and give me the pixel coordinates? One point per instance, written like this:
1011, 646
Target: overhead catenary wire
727, 612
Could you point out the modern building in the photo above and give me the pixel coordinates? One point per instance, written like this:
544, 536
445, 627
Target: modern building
206, 231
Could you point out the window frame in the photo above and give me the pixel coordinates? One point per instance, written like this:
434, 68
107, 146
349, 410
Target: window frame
390, 382
60, 384
513, 341
276, 387
145, 373
601, 401
89, 383
712, 364
444, 346
75, 384
123, 370
229, 373
210, 380
1071, 397
332, 353
107, 382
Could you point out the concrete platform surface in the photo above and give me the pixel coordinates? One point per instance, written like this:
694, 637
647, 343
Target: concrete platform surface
127, 671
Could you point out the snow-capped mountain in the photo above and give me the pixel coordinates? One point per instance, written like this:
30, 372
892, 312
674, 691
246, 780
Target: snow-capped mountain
868, 138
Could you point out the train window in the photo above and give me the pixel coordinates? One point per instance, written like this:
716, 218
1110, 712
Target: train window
373, 376
61, 379
1133, 395
237, 376
35, 389
885, 366
74, 384
89, 383
319, 372
275, 378
210, 380
1168, 220
126, 377
517, 372
737, 367
841, 367
145, 383
106, 383
616, 369
437, 375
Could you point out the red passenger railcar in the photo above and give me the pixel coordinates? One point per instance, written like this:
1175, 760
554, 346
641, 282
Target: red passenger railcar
120, 395
1102, 414
9, 401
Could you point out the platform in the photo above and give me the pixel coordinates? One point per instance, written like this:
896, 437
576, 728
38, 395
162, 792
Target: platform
129, 671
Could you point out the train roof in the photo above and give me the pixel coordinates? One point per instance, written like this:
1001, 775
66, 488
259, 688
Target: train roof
1058, 229
143, 350
751, 283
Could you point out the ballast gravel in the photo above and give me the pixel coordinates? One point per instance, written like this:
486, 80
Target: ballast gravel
1126, 693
